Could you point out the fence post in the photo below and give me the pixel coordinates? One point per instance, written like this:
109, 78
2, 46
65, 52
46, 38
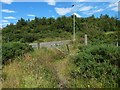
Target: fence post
86, 43
68, 48
38, 45
117, 44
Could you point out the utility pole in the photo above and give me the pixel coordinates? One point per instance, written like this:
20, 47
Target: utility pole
117, 31
73, 25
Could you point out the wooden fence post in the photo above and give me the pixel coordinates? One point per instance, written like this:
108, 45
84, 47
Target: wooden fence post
68, 48
117, 44
38, 45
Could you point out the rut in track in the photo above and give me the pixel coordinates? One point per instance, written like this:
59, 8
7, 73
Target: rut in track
60, 69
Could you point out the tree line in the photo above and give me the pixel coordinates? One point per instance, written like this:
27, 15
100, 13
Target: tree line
61, 27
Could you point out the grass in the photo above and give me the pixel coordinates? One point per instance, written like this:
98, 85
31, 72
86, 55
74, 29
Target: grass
30, 71
110, 32
41, 68
45, 68
55, 37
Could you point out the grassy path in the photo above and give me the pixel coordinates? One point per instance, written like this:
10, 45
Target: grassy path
60, 69
42, 68
63, 69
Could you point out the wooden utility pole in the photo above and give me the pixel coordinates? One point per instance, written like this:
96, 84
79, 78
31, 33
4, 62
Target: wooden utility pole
73, 26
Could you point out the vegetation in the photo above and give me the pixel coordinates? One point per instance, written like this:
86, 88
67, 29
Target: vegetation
93, 66
99, 62
60, 29
36, 70
10, 50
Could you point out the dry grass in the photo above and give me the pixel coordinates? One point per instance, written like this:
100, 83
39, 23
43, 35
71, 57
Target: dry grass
32, 70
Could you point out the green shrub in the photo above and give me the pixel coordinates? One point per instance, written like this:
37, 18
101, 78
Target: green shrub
10, 50
101, 62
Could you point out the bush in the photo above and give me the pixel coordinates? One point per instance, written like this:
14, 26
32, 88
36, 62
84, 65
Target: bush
28, 37
101, 62
10, 50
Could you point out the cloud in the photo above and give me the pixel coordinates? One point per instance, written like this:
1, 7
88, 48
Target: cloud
4, 24
5, 21
8, 11
99, 10
51, 2
63, 11
80, 0
115, 9
31, 15
7, 1
96, 11
81, 7
93, 11
0, 26
10, 17
77, 15
85, 8
115, 4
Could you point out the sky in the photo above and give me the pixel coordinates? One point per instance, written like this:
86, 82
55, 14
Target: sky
12, 11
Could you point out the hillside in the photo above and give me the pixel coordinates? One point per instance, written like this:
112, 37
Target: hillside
51, 29
96, 65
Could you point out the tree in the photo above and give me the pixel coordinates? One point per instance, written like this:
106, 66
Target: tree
21, 23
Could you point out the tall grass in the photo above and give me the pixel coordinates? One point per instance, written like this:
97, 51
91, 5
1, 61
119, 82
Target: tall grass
32, 71
47, 68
